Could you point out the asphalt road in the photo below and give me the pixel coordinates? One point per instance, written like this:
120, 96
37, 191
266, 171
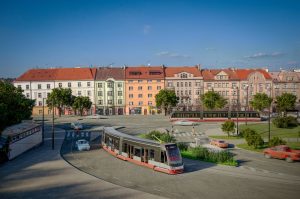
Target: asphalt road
257, 177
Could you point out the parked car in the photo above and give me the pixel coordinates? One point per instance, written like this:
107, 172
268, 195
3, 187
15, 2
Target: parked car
219, 143
94, 116
82, 145
184, 123
76, 126
282, 152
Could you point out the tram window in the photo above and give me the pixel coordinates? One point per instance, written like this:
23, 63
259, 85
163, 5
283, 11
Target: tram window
124, 148
163, 157
151, 154
137, 152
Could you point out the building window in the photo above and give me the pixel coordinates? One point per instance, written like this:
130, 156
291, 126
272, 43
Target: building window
158, 80
48, 86
89, 93
149, 95
130, 95
69, 84
208, 85
149, 80
130, 103
158, 87
186, 92
109, 102
170, 84
130, 88
79, 93
27, 87
79, 84
110, 85
27, 95
149, 87
39, 86
140, 81
120, 101
100, 93
150, 103
233, 85
88, 84
197, 92
99, 85
130, 81
120, 85
185, 84
40, 103
39, 95
140, 88
190, 84
181, 84
177, 84
183, 75
140, 103
190, 92
19, 86
120, 93
140, 95
109, 93
100, 102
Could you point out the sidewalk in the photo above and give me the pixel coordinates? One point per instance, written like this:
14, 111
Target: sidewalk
42, 173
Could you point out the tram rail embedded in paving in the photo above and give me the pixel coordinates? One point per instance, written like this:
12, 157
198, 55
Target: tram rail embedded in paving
162, 157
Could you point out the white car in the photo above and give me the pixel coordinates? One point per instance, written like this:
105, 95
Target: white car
184, 123
94, 116
82, 145
76, 125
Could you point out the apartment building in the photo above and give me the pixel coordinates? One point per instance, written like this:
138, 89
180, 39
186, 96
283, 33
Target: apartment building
286, 82
142, 84
38, 83
110, 91
237, 85
187, 82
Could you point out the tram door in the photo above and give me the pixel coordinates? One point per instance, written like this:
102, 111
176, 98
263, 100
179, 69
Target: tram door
145, 155
130, 151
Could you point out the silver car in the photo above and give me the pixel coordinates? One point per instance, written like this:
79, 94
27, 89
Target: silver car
184, 123
82, 145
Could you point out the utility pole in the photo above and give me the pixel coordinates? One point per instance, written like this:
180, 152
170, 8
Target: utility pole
43, 124
237, 113
52, 124
247, 105
269, 121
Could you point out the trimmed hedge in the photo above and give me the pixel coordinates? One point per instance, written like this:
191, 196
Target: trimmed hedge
285, 122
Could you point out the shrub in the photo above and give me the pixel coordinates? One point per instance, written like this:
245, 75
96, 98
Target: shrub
276, 141
212, 156
245, 132
252, 138
182, 146
228, 127
285, 122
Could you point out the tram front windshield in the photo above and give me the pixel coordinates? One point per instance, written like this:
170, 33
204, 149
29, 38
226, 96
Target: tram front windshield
173, 153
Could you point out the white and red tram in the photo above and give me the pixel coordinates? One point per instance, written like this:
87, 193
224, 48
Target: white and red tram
163, 157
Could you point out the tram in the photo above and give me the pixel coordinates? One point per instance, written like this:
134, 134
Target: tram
215, 116
162, 157
22, 137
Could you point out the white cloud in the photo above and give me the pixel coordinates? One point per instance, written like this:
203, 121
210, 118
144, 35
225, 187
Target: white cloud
146, 29
172, 55
264, 55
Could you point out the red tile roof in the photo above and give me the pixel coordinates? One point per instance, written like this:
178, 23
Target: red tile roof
233, 74
58, 74
145, 72
105, 73
171, 71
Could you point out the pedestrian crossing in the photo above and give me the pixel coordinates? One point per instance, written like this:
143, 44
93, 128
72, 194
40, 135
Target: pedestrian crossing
77, 135
187, 134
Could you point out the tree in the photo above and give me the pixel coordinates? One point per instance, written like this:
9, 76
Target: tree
213, 100
261, 101
81, 103
228, 127
166, 99
14, 106
59, 98
285, 102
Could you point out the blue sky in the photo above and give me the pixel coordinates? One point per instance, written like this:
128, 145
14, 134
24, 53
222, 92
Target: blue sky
215, 34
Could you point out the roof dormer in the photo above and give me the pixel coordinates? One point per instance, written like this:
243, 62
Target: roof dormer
221, 76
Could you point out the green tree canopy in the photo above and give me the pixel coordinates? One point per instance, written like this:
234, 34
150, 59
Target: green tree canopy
59, 98
213, 100
166, 99
285, 102
81, 103
261, 101
14, 106
228, 127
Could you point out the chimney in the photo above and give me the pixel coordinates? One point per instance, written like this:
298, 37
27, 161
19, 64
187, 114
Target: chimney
199, 67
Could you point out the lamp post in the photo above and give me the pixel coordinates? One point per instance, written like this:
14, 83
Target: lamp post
43, 124
269, 120
52, 124
237, 113
247, 104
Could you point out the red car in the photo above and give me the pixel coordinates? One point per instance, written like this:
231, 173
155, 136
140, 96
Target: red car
219, 143
282, 152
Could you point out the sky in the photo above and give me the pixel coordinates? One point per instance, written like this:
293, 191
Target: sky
213, 33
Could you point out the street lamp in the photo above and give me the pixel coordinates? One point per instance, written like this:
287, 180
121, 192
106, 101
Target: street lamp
237, 113
247, 104
52, 124
269, 121
43, 124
